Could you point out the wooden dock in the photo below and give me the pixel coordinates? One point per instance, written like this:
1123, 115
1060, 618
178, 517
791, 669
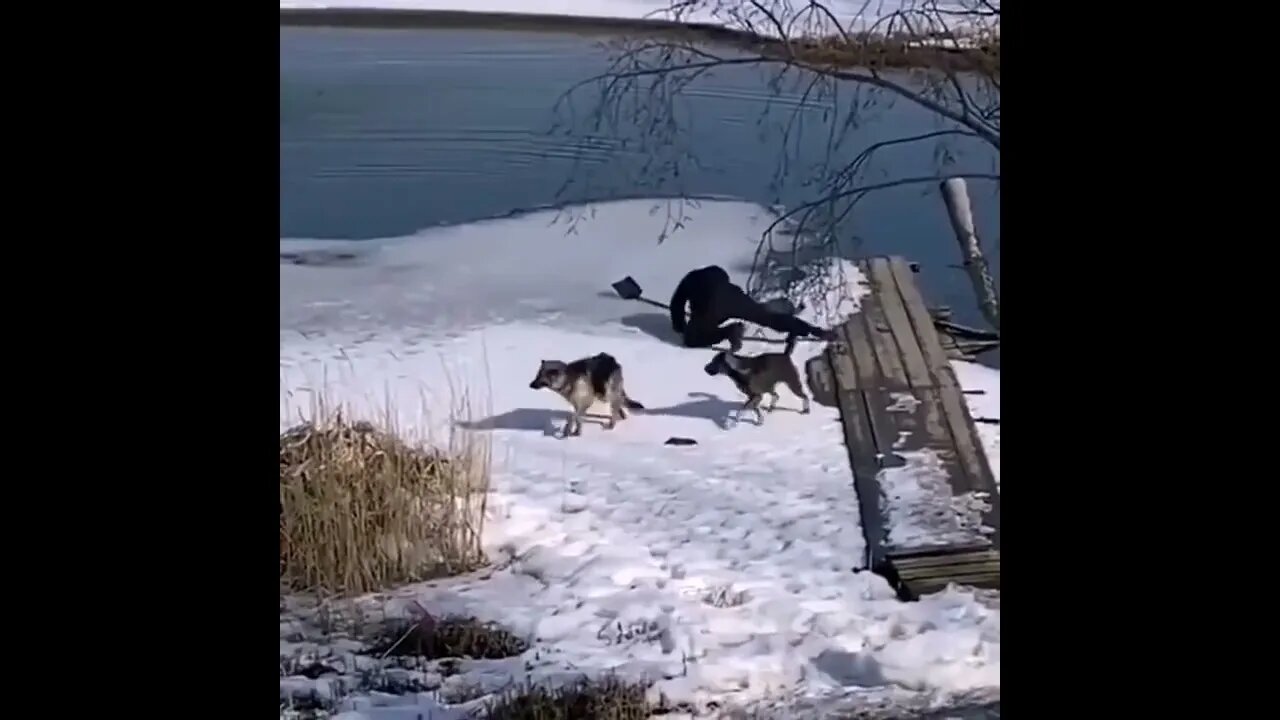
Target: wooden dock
928, 502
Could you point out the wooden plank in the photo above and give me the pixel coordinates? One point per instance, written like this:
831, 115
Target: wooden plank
843, 370
883, 345
963, 577
977, 472
864, 361
970, 452
913, 364
891, 352
956, 573
943, 559
860, 445
921, 322
884, 429
928, 587
930, 554
971, 568
954, 565
964, 436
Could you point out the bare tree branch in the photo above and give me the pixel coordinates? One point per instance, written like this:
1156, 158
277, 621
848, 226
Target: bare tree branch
829, 65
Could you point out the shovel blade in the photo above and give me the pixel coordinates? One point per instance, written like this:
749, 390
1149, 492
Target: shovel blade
627, 288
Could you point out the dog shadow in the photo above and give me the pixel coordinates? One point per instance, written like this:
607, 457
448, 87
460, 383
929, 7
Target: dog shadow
529, 420
705, 406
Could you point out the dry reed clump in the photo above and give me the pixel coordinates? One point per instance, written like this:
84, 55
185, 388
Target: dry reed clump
605, 699
448, 638
362, 510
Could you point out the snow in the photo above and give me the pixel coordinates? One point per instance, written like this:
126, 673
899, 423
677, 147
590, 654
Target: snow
852, 14
723, 572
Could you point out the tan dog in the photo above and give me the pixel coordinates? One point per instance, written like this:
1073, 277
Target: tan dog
582, 383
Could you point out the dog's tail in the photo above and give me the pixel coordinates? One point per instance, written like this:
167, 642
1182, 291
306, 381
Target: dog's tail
791, 345
632, 404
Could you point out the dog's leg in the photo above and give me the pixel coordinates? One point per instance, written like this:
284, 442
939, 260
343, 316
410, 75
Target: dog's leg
793, 384
614, 400
573, 428
774, 404
754, 404
619, 401
615, 412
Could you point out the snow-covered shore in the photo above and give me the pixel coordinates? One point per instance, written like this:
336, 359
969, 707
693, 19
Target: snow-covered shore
724, 571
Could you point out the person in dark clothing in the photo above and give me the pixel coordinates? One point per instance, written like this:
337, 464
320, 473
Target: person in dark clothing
712, 298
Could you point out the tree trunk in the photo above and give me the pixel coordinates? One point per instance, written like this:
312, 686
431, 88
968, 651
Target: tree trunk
956, 194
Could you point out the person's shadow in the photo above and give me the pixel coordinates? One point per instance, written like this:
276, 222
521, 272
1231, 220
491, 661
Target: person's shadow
655, 325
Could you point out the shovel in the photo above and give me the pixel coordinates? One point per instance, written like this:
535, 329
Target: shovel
628, 289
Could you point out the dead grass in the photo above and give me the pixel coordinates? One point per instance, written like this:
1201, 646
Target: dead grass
363, 510
454, 637
604, 699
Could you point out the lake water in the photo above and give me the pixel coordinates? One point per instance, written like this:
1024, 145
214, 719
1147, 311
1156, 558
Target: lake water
386, 132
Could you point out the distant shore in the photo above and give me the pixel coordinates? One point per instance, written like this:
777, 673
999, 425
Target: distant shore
876, 53
466, 20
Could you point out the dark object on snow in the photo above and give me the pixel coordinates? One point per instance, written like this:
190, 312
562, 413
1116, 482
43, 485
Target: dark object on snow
316, 670
319, 258
680, 441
